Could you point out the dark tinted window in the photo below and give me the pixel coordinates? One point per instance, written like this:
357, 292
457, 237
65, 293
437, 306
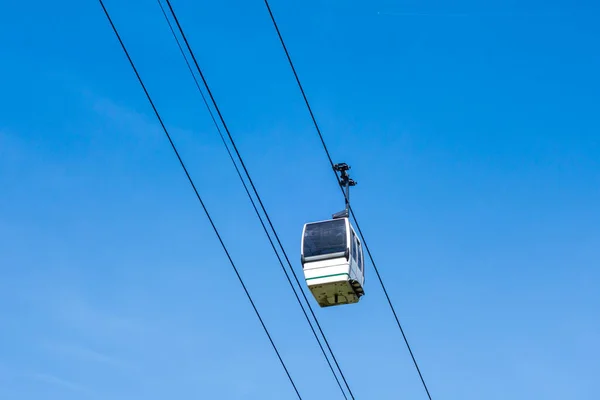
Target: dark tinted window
360, 258
354, 247
325, 238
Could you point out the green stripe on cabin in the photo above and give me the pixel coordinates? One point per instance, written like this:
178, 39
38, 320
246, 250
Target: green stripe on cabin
327, 276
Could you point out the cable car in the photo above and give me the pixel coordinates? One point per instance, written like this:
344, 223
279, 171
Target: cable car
332, 256
333, 262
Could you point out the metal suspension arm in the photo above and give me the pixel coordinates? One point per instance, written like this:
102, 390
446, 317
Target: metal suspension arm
345, 182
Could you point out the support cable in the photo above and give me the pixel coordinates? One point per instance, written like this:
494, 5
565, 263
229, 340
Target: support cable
254, 204
350, 207
257, 195
199, 197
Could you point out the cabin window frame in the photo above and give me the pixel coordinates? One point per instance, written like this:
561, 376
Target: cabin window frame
323, 249
354, 249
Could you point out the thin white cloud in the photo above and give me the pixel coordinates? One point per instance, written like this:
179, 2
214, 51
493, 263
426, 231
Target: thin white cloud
125, 119
137, 124
60, 382
5, 374
472, 14
11, 148
87, 354
422, 14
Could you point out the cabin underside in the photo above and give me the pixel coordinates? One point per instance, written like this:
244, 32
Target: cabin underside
334, 293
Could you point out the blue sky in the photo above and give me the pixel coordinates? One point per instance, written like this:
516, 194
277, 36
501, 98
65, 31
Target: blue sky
472, 131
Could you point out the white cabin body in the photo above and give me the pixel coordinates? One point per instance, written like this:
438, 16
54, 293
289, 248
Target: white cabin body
333, 262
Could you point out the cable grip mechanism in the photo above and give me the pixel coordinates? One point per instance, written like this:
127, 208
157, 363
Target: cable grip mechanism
345, 181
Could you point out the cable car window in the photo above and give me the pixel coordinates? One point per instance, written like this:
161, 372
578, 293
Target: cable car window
354, 248
360, 258
325, 238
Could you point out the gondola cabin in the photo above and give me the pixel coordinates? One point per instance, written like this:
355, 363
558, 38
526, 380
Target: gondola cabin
333, 263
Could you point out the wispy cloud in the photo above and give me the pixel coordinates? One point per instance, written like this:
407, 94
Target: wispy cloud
124, 118
421, 14
4, 373
60, 382
92, 342
87, 354
11, 148
473, 14
141, 125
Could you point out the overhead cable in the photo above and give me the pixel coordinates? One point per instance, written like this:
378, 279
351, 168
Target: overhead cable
350, 207
199, 197
181, 31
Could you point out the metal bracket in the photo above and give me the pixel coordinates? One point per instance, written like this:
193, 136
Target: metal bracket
345, 182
